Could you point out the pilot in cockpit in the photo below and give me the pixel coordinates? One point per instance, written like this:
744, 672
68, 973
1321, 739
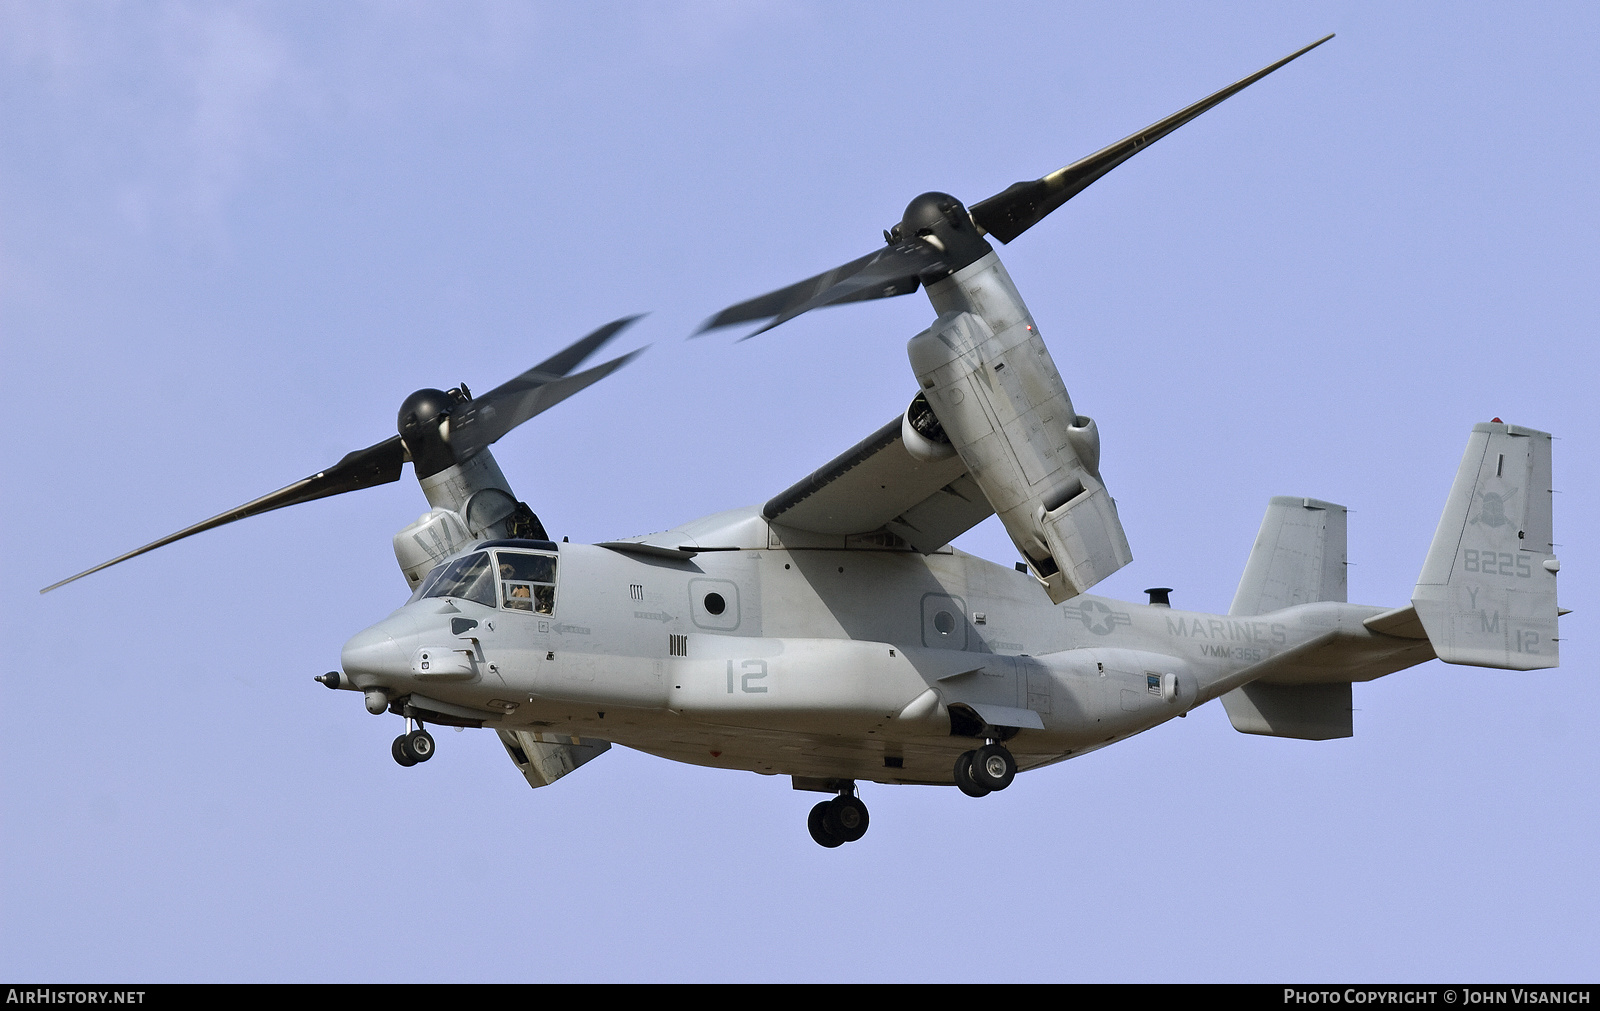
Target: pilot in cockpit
518, 595
527, 582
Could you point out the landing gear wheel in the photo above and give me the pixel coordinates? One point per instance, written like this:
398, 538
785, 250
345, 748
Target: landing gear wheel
817, 822
418, 745
398, 750
963, 776
993, 768
845, 818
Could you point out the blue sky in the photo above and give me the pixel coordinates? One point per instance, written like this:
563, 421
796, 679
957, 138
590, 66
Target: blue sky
233, 237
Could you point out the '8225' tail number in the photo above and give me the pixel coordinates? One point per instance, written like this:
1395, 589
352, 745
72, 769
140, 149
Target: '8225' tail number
1492, 563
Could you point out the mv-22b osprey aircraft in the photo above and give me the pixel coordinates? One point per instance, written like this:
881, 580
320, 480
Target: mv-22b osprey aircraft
833, 635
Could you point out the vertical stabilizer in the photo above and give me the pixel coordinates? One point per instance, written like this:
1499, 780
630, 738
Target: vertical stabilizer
1299, 557
1319, 712
1487, 593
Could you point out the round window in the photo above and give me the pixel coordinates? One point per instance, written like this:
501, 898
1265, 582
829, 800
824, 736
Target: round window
944, 622
715, 604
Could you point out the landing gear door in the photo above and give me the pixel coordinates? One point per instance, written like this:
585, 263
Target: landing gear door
543, 758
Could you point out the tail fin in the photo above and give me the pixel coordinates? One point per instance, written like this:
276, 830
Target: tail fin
1299, 557
1487, 593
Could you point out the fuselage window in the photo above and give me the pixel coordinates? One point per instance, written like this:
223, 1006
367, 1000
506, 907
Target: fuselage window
527, 582
466, 578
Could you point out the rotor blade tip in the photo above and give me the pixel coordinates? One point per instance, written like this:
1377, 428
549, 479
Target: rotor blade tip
711, 324
1302, 51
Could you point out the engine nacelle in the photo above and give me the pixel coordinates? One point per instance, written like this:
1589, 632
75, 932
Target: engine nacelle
436, 535
994, 388
923, 436
471, 502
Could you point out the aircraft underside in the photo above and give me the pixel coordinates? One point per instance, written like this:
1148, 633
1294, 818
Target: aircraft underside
805, 756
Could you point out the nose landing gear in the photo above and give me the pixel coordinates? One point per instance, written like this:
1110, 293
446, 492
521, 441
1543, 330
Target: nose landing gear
984, 770
838, 821
413, 746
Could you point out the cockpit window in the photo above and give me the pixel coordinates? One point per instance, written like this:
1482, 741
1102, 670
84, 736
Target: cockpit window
427, 583
527, 582
466, 578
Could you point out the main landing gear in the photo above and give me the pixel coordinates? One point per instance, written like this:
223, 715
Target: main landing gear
413, 746
840, 820
984, 770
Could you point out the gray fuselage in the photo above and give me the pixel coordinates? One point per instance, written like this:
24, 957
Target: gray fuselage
829, 664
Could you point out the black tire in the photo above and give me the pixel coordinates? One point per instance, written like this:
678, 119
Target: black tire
418, 745
963, 775
401, 755
846, 818
817, 823
993, 768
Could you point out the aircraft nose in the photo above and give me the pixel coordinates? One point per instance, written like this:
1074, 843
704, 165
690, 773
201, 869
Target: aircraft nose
374, 653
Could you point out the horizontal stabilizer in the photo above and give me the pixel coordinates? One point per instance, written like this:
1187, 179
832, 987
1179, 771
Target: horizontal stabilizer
1400, 622
1304, 692
544, 758
1487, 593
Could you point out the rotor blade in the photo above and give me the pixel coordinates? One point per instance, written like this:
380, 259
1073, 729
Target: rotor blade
893, 271
1020, 206
883, 273
774, 303
365, 468
502, 402
564, 361
482, 421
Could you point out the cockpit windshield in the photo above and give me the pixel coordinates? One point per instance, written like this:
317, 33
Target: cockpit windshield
467, 578
527, 582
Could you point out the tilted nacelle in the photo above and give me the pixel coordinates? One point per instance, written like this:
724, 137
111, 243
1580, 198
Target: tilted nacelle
999, 400
471, 502
985, 374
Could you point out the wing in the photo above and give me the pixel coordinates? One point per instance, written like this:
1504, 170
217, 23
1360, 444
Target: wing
878, 488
